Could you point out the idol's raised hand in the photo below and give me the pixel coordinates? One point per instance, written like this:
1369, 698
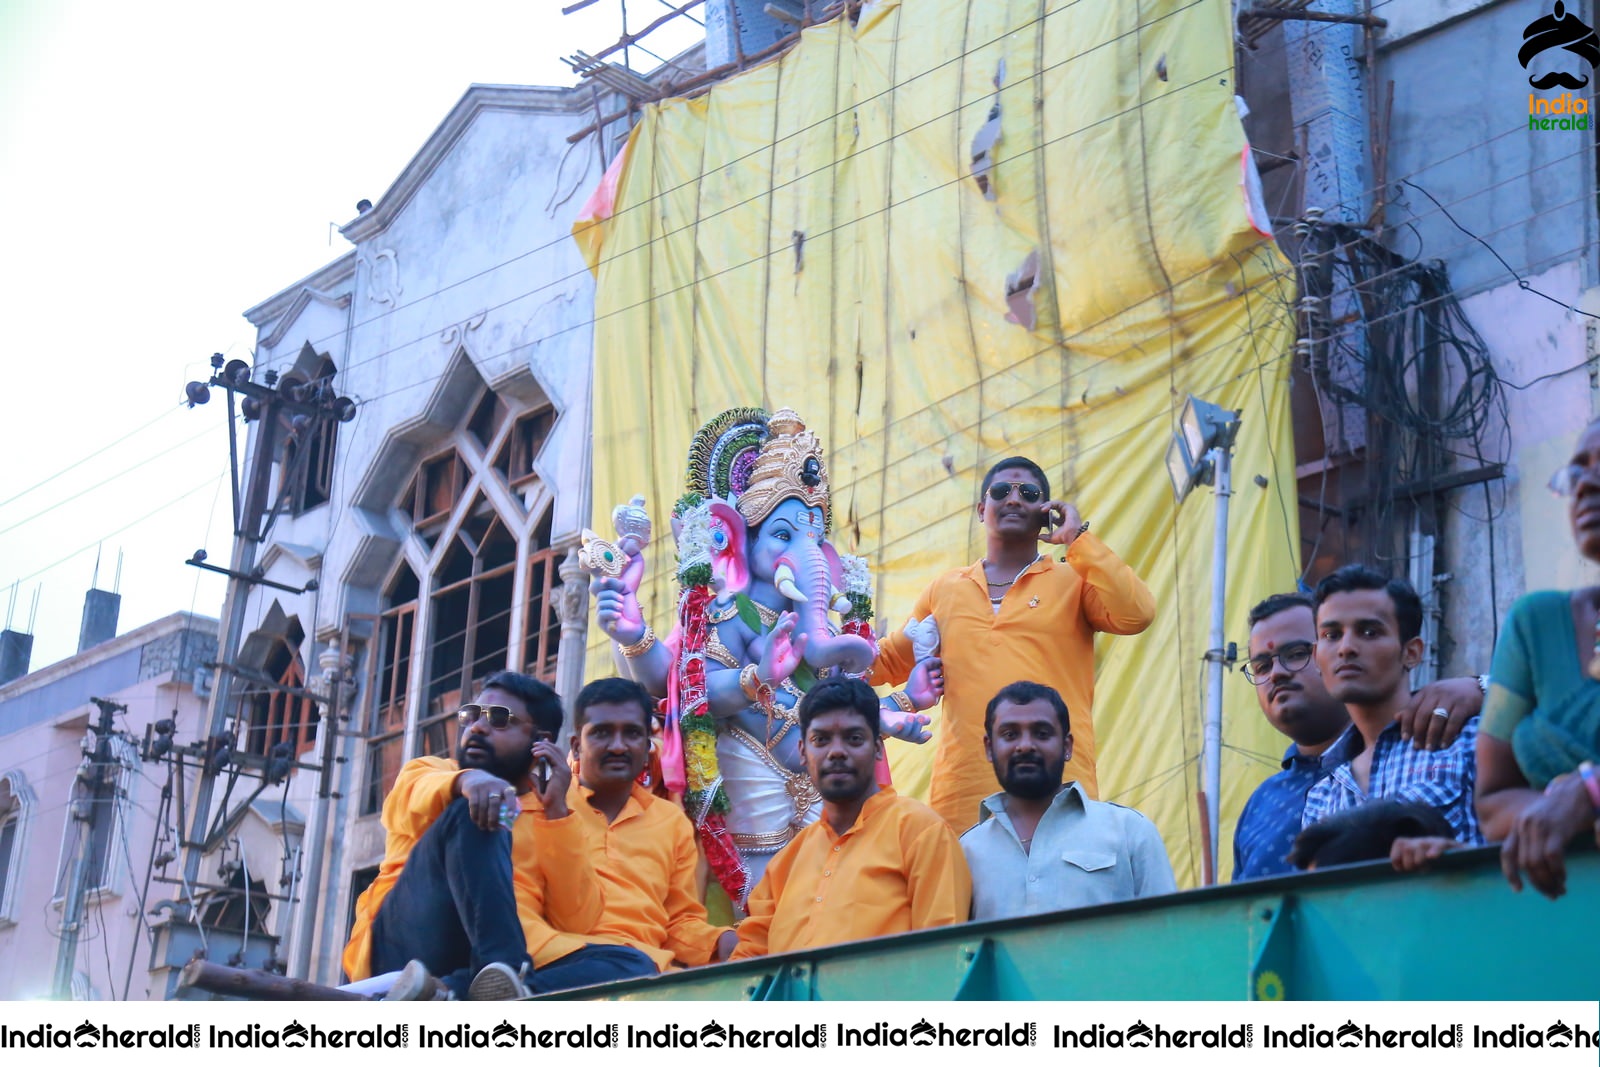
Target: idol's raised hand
783, 652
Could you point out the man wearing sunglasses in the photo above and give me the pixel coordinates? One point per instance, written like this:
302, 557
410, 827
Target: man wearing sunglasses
1017, 614
484, 863
1290, 689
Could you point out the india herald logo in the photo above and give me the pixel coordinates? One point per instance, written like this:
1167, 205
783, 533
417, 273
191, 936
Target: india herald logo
1564, 30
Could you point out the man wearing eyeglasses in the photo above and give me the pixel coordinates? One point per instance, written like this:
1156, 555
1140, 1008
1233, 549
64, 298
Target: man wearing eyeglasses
1017, 614
484, 863
1290, 689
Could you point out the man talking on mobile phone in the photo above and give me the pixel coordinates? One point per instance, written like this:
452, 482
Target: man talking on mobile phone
1017, 614
481, 869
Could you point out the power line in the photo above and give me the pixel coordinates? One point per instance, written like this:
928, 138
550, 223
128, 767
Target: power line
596, 319
97, 452
121, 529
108, 479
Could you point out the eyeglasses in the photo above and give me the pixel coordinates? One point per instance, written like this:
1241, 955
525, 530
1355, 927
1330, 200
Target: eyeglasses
1029, 492
1564, 482
499, 715
1293, 657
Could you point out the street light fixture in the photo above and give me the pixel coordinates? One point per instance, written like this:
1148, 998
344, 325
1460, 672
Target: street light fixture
1201, 452
1201, 428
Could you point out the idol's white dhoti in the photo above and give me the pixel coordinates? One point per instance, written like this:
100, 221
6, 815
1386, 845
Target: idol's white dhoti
768, 803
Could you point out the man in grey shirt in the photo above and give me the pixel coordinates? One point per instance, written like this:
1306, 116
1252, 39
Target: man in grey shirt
1044, 846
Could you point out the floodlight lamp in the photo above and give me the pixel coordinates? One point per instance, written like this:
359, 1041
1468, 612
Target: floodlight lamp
1180, 468
1206, 426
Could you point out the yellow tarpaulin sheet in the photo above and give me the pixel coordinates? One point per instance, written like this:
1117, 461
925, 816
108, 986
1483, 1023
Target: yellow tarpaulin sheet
811, 234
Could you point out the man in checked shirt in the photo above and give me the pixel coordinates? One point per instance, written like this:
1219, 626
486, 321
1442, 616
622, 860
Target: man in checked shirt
1282, 668
1368, 638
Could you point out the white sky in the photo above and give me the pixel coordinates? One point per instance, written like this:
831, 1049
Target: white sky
164, 166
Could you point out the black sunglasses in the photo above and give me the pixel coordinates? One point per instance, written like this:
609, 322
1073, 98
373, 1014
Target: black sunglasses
1029, 492
1293, 657
499, 715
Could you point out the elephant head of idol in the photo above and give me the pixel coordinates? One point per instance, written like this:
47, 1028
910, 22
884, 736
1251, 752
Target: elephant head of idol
775, 537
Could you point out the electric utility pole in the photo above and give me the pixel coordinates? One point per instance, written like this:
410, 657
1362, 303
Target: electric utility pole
274, 404
95, 808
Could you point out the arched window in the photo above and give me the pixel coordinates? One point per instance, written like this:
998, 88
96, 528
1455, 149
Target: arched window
470, 619
474, 593
16, 808
397, 631
308, 463
277, 711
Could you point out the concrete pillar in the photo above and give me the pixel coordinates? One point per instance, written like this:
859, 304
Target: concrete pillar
100, 610
572, 608
16, 650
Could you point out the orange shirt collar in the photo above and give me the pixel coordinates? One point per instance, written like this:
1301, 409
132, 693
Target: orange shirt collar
877, 800
975, 572
639, 798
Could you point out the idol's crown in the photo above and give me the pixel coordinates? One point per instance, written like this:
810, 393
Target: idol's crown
789, 467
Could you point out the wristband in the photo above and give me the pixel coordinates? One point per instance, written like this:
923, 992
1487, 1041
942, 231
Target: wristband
903, 701
760, 693
1591, 783
1483, 684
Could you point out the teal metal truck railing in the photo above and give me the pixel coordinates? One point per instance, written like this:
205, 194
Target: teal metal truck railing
1457, 932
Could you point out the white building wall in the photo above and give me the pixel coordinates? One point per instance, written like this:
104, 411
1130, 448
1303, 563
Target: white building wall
464, 271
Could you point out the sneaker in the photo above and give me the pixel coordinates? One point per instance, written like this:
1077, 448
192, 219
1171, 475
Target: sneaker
497, 981
415, 983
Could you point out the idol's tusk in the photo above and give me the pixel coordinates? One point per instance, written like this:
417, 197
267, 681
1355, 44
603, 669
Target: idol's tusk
841, 602
783, 578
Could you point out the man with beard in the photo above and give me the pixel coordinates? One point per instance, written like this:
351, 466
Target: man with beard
642, 847
478, 858
1044, 845
876, 863
1017, 613
1290, 689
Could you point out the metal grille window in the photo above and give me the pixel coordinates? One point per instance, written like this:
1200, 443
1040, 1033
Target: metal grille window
397, 629
471, 621
475, 591
543, 627
280, 714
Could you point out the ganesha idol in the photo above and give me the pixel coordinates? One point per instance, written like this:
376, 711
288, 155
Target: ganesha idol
759, 582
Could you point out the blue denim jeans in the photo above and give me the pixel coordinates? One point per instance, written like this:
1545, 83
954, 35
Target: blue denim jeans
453, 907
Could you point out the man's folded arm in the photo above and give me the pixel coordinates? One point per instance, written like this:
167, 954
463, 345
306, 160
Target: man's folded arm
423, 789
1115, 600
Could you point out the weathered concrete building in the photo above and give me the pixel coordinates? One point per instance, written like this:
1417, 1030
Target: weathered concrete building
58, 843
1448, 354
435, 524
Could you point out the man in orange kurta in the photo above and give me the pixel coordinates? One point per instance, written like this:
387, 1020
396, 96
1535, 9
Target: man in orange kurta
876, 863
1017, 615
642, 848
477, 860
